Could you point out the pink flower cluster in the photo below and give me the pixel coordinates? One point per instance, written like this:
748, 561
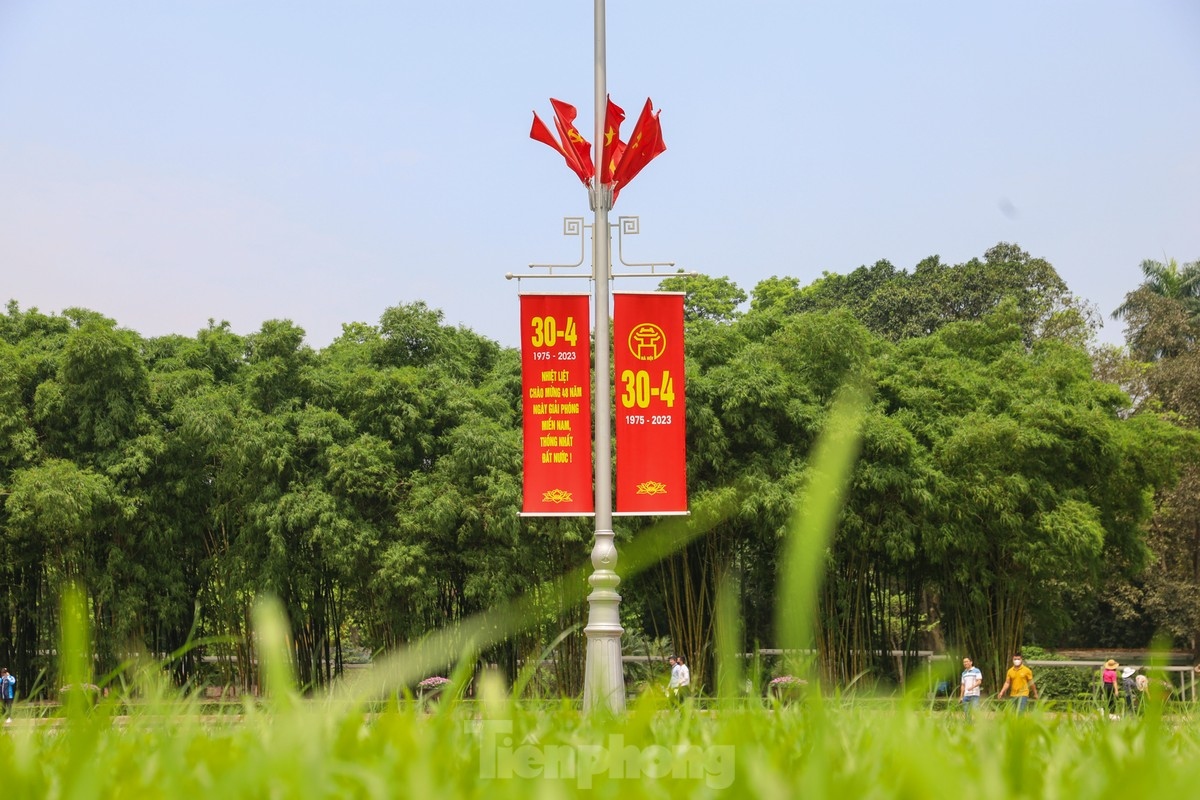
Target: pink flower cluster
788, 680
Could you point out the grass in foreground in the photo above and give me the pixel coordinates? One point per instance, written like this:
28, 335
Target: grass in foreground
497, 748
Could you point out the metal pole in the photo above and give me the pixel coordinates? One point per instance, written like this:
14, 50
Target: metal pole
604, 680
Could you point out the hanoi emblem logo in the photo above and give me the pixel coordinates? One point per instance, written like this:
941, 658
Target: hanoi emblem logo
647, 341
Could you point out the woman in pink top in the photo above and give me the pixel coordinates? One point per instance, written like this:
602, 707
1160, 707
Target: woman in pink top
1108, 683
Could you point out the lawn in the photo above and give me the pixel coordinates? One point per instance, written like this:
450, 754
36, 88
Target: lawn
496, 748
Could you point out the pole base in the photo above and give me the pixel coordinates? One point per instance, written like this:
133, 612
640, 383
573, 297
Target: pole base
604, 679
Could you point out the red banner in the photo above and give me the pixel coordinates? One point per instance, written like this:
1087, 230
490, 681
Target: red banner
650, 403
556, 383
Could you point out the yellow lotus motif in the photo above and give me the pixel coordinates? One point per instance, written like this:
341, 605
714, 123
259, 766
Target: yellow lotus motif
556, 496
652, 487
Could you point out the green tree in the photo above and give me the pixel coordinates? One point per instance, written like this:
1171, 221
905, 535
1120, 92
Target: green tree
758, 391
100, 389
705, 298
773, 293
1170, 280
1162, 315
1042, 485
1162, 332
898, 305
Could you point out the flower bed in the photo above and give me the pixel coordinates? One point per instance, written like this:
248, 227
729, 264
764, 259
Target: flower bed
432, 687
787, 688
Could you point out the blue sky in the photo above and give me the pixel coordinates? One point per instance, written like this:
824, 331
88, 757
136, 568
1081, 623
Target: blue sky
168, 161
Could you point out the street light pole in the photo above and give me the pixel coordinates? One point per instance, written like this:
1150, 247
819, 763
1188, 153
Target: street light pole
604, 679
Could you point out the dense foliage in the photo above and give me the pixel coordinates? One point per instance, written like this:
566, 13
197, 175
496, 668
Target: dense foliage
374, 486
1161, 370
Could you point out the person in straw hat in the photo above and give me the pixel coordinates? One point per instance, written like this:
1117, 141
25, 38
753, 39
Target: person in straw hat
1108, 685
1129, 689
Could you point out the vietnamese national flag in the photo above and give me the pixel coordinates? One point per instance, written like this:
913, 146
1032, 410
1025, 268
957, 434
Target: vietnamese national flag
617, 154
644, 144
614, 148
540, 133
573, 141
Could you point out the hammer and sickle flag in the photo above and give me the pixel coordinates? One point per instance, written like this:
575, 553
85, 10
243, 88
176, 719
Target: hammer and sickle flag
574, 149
564, 118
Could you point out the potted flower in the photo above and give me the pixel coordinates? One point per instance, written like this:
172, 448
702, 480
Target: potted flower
786, 688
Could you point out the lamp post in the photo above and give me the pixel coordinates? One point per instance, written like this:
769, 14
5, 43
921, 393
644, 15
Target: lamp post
603, 678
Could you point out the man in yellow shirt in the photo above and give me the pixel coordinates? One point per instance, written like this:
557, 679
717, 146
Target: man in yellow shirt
1020, 678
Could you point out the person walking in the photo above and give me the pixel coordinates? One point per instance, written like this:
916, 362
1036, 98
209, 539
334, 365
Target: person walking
8, 693
685, 677
1019, 679
1129, 689
1108, 687
969, 686
681, 678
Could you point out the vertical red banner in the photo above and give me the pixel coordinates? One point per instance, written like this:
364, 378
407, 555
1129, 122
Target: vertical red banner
650, 403
556, 381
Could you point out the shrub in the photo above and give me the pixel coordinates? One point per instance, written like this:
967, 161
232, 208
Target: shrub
1067, 684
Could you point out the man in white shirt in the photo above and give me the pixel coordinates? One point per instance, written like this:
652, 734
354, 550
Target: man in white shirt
972, 680
681, 678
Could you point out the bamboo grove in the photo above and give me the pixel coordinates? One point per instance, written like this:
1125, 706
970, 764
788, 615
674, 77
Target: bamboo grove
1013, 480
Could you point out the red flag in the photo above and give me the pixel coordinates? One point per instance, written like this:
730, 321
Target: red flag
645, 143
564, 117
613, 146
617, 155
539, 132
